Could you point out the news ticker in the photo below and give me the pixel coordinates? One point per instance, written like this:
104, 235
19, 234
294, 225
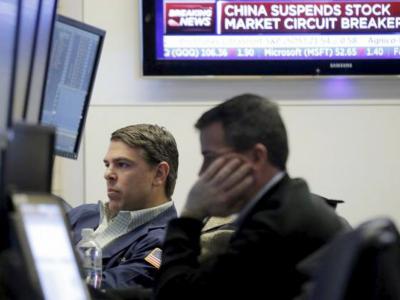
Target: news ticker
282, 53
282, 47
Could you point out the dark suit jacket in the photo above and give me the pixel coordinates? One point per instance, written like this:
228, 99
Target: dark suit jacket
285, 226
123, 259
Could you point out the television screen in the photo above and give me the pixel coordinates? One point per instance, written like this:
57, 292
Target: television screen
265, 37
74, 58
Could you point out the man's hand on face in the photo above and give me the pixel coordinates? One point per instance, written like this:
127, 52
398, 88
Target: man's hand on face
218, 190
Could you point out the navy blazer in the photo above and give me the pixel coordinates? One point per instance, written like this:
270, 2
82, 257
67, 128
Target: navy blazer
123, 259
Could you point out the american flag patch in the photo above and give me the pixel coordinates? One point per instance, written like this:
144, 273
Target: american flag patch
154, 257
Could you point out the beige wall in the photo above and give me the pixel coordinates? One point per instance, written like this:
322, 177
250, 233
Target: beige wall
343, 132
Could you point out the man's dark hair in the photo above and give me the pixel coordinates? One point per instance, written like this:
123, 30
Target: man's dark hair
250, 119
157, 144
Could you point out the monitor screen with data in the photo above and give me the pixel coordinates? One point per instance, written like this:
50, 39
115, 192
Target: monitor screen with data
73, 64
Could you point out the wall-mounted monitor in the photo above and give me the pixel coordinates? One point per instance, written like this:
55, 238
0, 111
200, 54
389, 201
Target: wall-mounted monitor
73, 64
269, 37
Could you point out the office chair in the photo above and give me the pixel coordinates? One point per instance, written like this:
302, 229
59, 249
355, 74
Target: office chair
361, 264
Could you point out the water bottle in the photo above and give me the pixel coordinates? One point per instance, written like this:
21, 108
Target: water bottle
91, 258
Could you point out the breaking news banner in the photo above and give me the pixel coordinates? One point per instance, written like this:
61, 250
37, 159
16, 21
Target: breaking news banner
190, 18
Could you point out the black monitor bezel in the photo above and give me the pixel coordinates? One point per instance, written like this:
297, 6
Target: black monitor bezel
101, 34
259, 68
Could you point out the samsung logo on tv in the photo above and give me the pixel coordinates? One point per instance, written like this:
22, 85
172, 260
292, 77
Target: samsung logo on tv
341, 65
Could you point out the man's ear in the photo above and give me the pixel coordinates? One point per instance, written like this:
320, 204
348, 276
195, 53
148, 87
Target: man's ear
162, 171
259, 154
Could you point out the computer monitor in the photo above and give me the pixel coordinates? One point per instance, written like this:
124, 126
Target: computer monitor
73, 64
29, 158
9, 10
27, 30
40, 60
43, 235
8, 35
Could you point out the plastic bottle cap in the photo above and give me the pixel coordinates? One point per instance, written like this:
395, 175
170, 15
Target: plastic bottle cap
87, 233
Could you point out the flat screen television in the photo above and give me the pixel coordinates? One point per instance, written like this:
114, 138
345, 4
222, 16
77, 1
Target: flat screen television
269, 37
74, 58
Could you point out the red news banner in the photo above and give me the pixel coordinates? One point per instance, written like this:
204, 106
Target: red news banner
241, 17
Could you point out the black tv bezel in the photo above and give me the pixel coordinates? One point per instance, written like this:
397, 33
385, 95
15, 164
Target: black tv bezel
151, 66
101, 33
